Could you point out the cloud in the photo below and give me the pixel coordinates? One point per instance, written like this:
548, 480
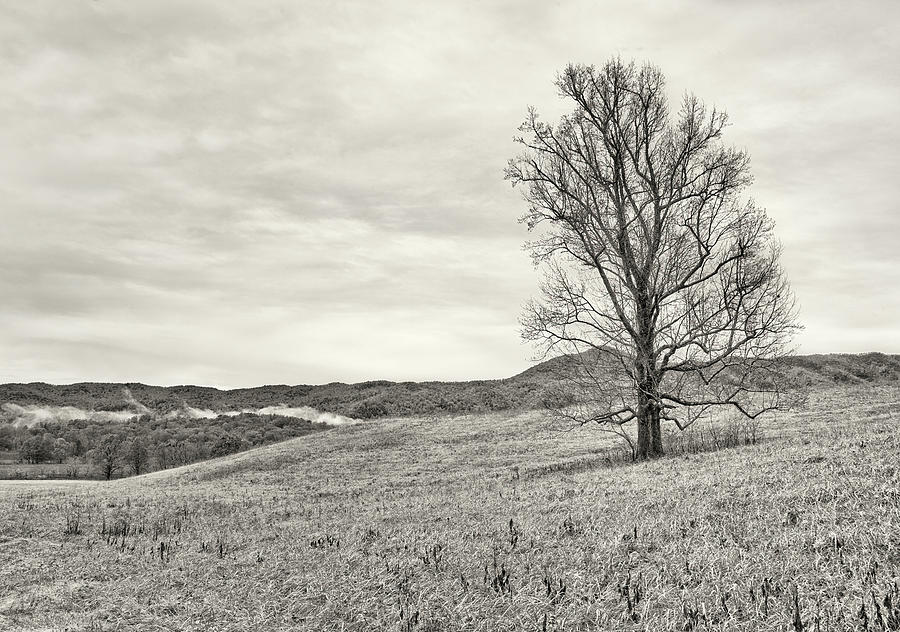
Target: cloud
306, 412
32, 414
232, 193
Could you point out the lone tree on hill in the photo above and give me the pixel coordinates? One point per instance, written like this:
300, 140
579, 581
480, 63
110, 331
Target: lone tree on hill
661, 275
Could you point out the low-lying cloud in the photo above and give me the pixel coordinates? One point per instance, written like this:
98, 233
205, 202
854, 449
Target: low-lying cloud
189, 412
31, 414
306, 412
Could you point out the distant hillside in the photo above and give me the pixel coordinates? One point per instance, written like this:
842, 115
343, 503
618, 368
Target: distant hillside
384, 398
802, 370
368, 524
361, 401
844, 368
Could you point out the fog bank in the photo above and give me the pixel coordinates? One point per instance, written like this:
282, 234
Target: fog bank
31, 414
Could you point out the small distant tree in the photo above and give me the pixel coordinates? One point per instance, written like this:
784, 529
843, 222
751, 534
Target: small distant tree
107, 455
36, 449
663, 279
7, 437
369, 409
135, 455
163, 454
76, 444
61, 450
226, 444
187, 451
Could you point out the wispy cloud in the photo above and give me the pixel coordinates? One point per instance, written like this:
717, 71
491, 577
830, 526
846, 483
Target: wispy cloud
229, 193
32, 414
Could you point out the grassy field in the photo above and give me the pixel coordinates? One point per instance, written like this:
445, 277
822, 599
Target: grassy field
47, 470
12, 468
480, 522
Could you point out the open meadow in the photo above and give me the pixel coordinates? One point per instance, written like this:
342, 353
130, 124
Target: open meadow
478, 522
348, 316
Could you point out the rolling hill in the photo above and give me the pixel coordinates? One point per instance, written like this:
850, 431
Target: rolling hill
478, 522
383, 398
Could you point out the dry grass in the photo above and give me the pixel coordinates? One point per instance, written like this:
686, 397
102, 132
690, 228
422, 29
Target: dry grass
41, 471
487, 522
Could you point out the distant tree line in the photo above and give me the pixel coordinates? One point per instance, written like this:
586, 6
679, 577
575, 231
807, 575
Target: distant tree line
365, 400
431, 398
147, 442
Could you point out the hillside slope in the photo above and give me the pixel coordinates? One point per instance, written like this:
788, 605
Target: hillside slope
481, 522
384, 398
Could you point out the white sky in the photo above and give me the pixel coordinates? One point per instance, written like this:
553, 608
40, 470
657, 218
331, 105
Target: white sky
239, 193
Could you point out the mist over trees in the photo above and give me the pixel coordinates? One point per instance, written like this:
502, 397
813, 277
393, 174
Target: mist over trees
661, 276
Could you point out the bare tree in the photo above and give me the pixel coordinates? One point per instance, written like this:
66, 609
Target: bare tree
108, 454
663, 279
135, 455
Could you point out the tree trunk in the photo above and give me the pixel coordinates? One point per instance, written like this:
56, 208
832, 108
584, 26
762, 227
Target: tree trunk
657, 433
649, 442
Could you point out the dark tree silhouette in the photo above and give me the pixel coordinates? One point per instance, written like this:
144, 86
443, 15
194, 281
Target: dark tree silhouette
108, 454
36, 449
136, 456
663, 280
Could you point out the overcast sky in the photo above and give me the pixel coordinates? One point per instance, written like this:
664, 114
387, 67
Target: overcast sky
239, 193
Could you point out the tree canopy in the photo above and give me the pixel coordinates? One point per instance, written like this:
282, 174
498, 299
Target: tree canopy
662, 275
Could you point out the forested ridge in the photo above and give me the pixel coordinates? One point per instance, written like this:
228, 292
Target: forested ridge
105, 430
